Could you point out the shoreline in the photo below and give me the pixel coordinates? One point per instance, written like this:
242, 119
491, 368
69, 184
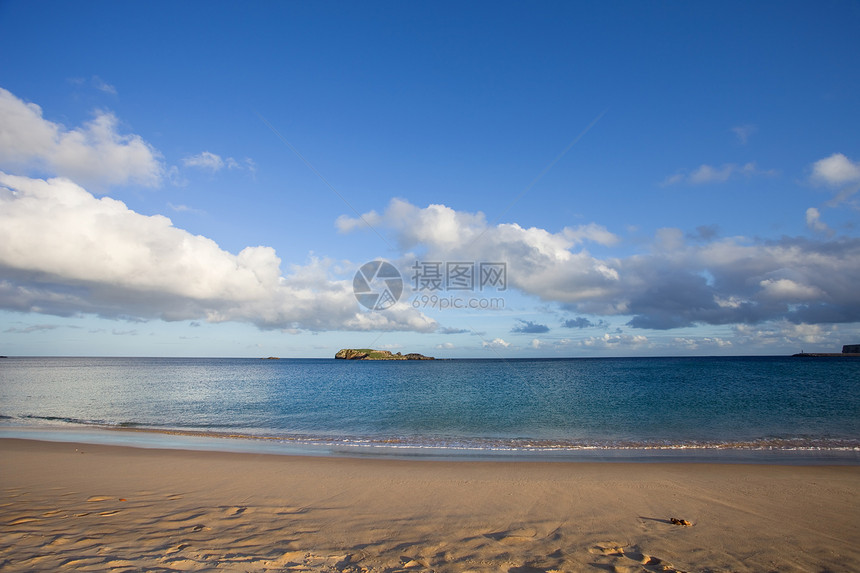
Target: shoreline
95, 507
766, 453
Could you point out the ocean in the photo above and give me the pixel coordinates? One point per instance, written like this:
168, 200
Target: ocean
739, 408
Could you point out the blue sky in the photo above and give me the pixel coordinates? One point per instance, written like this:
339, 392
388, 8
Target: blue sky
206, 178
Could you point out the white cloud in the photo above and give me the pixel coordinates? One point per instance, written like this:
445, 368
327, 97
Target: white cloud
445, 346
205, 160
591, 233
94, 154
347, 224
839, 173
835, 170
702, 343
97, 256
787, 289
616, 341
814, 222
784, 333
185, 209
709, 174
538, 261
496, 343
214, 162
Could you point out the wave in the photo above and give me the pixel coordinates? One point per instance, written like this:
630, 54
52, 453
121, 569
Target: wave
464, 444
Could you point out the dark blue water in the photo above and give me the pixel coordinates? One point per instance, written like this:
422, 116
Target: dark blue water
515, 405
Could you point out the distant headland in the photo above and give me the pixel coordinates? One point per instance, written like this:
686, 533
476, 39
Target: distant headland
852, 350
370, 354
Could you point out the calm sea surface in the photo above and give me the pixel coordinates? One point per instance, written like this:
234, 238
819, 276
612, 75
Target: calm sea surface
513, 406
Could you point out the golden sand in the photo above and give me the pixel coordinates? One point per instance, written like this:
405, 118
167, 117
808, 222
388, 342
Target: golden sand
74, 507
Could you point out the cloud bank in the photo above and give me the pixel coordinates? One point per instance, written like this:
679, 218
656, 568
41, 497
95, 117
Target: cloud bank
94, 154
679, 282
64, 251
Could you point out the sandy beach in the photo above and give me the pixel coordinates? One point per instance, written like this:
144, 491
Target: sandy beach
79, 507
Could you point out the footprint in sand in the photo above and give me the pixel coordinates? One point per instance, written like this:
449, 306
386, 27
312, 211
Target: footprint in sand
235, 511
607, 548
622, 556
644, 559
514, 536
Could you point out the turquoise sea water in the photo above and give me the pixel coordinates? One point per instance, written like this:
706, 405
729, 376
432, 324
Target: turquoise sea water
512, 406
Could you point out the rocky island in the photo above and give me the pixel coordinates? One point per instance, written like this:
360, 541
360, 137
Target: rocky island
370, 354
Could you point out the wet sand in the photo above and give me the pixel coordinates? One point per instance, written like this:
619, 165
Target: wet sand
81, 507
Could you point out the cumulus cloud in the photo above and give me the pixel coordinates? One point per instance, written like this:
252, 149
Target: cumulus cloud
836, 170
709, 174
538, 261
496, 343
95, 153
613, 341
529, 327
98, 256
735, 281
679, 283
839, 173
